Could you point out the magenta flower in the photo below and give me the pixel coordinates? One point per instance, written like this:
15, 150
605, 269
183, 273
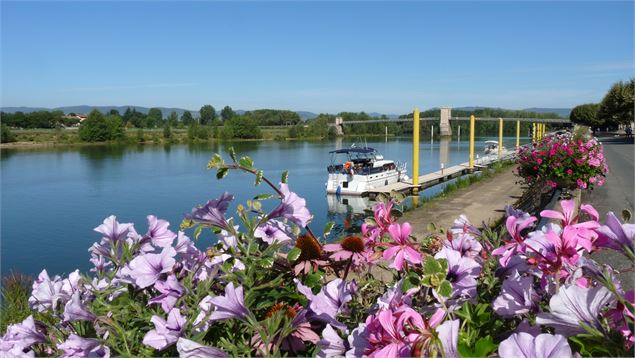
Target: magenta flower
146, 269
232, 305
158, 232
541, 346
191, 349
401, 248
76, 346
352, 248
383, 215
212, 213
273, 231
165, 333
291, 207
517, 296
514, 227
573, 305
171, 289
462, 272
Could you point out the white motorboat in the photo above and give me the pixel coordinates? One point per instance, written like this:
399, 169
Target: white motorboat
355, 171
491, 147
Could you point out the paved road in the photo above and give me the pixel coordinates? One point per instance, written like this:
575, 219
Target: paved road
617, 194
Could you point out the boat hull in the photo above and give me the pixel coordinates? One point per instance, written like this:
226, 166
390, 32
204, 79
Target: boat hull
359, 184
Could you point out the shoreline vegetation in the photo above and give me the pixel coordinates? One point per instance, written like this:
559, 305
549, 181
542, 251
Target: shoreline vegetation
44, 128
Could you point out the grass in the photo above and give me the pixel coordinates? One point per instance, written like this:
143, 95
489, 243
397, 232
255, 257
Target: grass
14, 296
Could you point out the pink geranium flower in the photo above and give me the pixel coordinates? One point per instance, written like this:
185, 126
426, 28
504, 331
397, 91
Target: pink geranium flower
401, 249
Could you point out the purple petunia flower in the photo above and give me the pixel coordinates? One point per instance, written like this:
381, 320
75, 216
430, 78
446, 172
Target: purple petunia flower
165, 333
462, 272
75, 310
517, 296
449, 336
171, 289
212, 213
48, 293
76, 346
273, 231
291, 207
20, 336
329, 302
232, 305
331, 344
462, 225
575, 304
158, 232
616, 235
191, 349
145, 269
113, 231
465, 244
541, 346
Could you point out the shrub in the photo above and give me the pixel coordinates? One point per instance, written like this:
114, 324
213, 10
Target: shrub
563, 161
270, 287
6, 135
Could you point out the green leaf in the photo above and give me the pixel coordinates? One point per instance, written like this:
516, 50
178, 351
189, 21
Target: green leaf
266, 262
313, 279
431, 227
232, 153
445, 288
626, 215
186, 224
293, 254
263, 196
443, 263
259, 175
215, 162
410, 281
197, 232
246, 162
328, 227
484, 346
221, 173
465, 351
256, 205
396, 213
431, 266
285, 176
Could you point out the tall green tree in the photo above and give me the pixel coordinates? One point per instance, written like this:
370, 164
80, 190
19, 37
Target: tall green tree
6, 135
173, 119
94, 128
187, 118
207, 115
227, 113
586, 114
617, 105
154, 118
241, 127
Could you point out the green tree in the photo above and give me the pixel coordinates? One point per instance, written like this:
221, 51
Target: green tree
154, 118
243, 127
617, 105
114, 112
116, 129
207, 115
6, 135
94, 128
167, 132
227, 113
173, 119
187, 118
586, 114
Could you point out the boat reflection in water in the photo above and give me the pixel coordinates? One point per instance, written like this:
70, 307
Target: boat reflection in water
348, 213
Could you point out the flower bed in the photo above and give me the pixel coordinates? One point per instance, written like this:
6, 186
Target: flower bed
270, 287
563, 161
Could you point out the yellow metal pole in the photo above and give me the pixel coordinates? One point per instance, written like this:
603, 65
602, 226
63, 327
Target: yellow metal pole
541, 131
533, 132
500, 137
472, 142
517, 134
415, 149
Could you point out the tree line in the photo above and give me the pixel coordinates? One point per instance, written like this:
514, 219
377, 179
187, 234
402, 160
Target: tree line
616, 108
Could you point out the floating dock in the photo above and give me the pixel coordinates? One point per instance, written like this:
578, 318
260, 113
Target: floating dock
440, 176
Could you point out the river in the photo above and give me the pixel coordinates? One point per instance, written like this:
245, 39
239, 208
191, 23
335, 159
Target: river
53, 198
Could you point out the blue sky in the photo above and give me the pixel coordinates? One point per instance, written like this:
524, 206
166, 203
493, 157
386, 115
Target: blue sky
314, 56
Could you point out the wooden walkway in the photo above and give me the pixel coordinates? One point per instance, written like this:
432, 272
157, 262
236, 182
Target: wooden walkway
440, 176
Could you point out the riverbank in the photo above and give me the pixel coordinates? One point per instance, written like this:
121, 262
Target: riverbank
499, 189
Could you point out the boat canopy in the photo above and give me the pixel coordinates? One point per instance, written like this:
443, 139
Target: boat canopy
491, 142
353, 150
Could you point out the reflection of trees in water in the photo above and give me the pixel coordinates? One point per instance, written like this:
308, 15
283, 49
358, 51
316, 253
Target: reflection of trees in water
100, 156
348, 223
